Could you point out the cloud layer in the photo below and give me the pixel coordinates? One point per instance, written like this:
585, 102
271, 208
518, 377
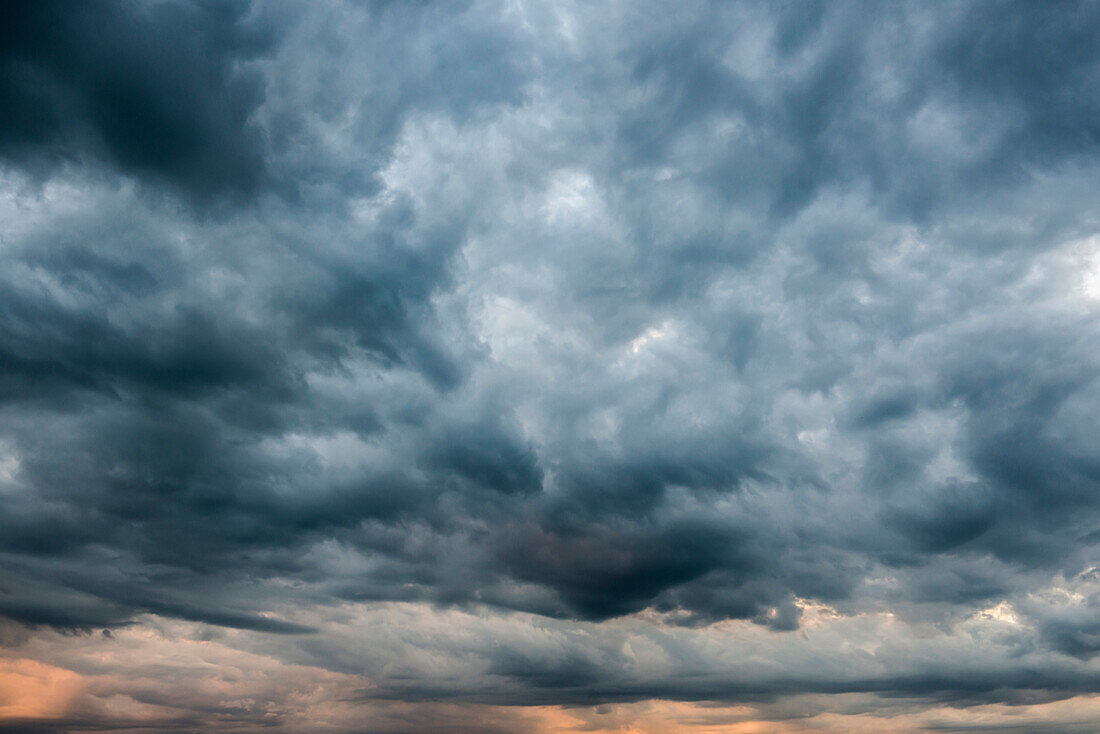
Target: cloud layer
590, 351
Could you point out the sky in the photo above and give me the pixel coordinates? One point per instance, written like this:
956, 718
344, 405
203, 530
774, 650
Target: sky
509, 366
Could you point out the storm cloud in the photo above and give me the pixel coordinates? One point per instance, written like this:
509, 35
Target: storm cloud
424, 359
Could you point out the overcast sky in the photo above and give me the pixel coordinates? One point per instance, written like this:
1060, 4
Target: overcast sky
510, 366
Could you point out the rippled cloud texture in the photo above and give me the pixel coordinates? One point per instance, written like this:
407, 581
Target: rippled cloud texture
536, 367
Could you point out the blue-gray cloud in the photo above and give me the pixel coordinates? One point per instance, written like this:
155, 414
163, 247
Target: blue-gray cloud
711, 311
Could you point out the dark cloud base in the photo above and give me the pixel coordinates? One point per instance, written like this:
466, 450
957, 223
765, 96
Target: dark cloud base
706, 312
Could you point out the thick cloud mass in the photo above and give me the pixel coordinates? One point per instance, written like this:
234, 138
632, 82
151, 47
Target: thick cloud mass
159, 90
682, 314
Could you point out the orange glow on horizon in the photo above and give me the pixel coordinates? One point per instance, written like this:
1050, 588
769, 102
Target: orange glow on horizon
165, 676
33, 690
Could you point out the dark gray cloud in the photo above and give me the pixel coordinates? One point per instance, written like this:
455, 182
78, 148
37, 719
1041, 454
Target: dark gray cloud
710, 313
161, 91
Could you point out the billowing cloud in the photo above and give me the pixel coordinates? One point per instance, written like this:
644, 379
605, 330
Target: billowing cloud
523, 366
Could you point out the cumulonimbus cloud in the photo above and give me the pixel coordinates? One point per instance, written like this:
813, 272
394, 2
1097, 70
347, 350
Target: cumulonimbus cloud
587, 316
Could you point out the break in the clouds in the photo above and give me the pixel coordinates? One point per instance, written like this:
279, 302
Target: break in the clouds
515, 366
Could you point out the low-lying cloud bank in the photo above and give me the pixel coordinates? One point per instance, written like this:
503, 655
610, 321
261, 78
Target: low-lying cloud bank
527, 365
